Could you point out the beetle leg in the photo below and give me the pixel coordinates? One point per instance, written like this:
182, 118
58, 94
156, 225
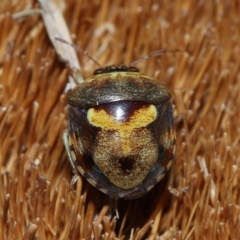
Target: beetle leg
114, 207
70, 154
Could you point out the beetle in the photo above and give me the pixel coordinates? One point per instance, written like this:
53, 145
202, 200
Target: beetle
121, 134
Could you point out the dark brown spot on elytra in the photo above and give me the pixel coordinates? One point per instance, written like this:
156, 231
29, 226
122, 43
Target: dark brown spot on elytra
126, 163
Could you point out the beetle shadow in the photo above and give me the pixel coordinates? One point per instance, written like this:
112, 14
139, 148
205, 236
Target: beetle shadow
136, 212
142, 210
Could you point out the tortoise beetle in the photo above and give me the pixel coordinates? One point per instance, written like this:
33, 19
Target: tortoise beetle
121, 135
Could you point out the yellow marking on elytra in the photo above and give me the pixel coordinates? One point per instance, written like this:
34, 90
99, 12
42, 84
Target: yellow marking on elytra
140, 118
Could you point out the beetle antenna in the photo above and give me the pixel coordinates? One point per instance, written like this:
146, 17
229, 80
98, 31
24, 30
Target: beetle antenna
77, 48
154, 54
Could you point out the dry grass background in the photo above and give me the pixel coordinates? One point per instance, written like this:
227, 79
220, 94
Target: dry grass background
200, 198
